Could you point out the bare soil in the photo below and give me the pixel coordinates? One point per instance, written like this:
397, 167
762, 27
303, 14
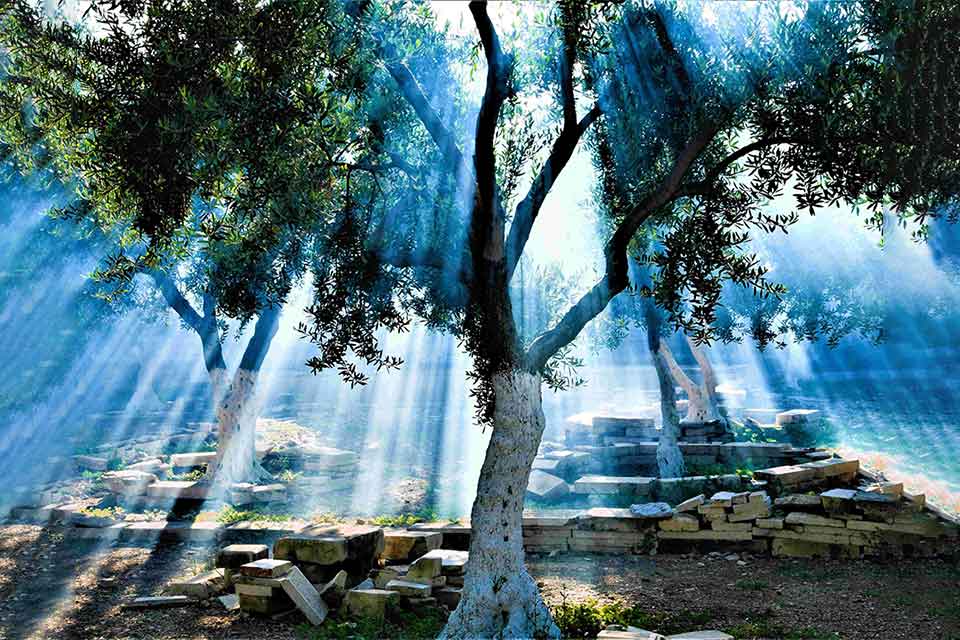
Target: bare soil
54, 584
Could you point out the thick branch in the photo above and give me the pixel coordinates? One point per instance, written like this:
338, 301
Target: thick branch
679, 375
529, 207
489, 219
703, 187
414, 94
176, 300
706, 368
205, 326
615, 278
259, 343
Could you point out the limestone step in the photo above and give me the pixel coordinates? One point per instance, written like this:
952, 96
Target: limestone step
178, 489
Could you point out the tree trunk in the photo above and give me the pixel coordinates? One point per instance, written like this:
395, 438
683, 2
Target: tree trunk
237, 412
710, 399
669, 457
500, 598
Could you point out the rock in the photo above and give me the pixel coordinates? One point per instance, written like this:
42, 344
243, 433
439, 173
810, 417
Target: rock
602, 485
617, 632
406, 546
448, 596
652, 510
453, 562
128, 482
266, 568
90, 463
722, 499
701, 635
203, 586
798, 502
322, 550
543, 486
155, 466
178, 489
198, 459
759, 507
230, 602
235, 556
334, 591
786, 475
384, 575
159, 602
769, 523
798, 517
409, 589
305, 596
690, 504
424, 570
681, 522
370, 603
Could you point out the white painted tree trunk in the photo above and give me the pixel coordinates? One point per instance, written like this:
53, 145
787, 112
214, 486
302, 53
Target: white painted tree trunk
500, 599
237, 412
700, 408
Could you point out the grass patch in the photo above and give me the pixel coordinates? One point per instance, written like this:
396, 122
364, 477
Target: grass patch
587, 619
230, 515
117, 513
400, 625
189, 476
764, 627
404, 519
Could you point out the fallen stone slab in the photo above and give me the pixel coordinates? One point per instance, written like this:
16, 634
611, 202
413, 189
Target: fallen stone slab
452, 562
322, 550
90, 463
128, 482
155, 466
701, 635
681, 522
304, 596
404, 546
652, 510
799, 502
547, 487
230, 601
159, 602
690, 504
178, 489
425, 571
449, 597
812, 519
202, 586
617, 632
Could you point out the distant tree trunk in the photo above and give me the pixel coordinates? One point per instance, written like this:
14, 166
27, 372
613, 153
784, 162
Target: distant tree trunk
237, 410
709, 386
500, 598
701, 407
669, 457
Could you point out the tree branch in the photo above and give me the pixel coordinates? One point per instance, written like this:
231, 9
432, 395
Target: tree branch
414, 94
205, 326
679, 375
259, 344
489, 219
703, 186
528, 208
177, 301
615, 278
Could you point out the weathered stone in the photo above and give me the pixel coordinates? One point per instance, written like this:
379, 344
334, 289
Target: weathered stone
769, 523
305, 596
198, 459
721, 525
721, 499
799, 549
159, 602
155, 466
616, 632
701, 635
266, 568
707, 534
178, 489
798, 502
384, 575
326, 458
543, 486
424, 570
128, 482
90, 463
755, 508
547, 465
681, 522
235, 556
370, 603
325, 550
449, 597
894, 489
652, 510
786, 475
690, 504
798, 416
202, 586
832, 467
406, 546
230, 601
628, 485
798, 517
409, 589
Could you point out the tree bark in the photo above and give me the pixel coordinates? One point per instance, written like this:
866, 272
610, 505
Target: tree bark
669, 457
500, 598
709, 387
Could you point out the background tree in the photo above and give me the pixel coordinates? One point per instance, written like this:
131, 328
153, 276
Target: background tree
180, 129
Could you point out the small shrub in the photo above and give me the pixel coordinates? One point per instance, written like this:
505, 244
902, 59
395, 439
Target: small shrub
231, 515
189, 476
586, 619
404, 519
400, 625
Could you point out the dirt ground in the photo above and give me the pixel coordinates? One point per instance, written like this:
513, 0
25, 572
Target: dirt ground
55, 585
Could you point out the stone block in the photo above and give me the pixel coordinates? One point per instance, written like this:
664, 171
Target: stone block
701, 635
202, 586
405, 546
680, 522
266, 568
627, 633
235, 556
90, 463
691, 504
453, 562
785, 548
707, 534
370, 603
832, 467
546, 465
155, 466
769, 523
797, 416
449, 597
812, 519
159, 602
324, 550
543, 486
198, 459
787, 475
178, 489
612, 485
721, 525
128, 482
409, 589
798, 502
424, 570
304, 596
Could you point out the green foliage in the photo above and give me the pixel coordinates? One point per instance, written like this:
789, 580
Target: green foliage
401, 625
404, 519
752, 585
231, 515
586, 619
189, 476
